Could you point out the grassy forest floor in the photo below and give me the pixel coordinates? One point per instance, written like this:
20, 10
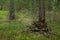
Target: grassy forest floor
12, 30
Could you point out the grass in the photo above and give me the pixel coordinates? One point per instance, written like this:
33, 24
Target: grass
12, 30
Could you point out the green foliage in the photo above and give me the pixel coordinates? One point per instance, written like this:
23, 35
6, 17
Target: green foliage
53, 4
11, 30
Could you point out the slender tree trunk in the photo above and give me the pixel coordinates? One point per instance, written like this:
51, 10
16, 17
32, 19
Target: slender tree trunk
1, 5
42, 14
33, 2
49, 5
11, 10
41, 10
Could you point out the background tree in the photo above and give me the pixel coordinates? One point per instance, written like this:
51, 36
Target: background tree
11, 10
2, 4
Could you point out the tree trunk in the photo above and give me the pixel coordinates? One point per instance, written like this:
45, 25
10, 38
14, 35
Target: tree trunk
1, 5
41, 20
11, 10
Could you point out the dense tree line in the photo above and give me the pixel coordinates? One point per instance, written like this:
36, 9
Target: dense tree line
19, 4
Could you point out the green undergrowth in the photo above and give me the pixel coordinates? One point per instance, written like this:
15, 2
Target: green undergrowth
11, 30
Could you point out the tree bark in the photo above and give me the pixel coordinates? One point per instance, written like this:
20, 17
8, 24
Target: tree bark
11, 10
41, 20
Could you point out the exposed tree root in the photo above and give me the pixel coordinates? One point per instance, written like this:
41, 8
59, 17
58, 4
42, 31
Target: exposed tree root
35, 27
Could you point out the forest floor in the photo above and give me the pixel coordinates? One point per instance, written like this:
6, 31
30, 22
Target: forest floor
11, 30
